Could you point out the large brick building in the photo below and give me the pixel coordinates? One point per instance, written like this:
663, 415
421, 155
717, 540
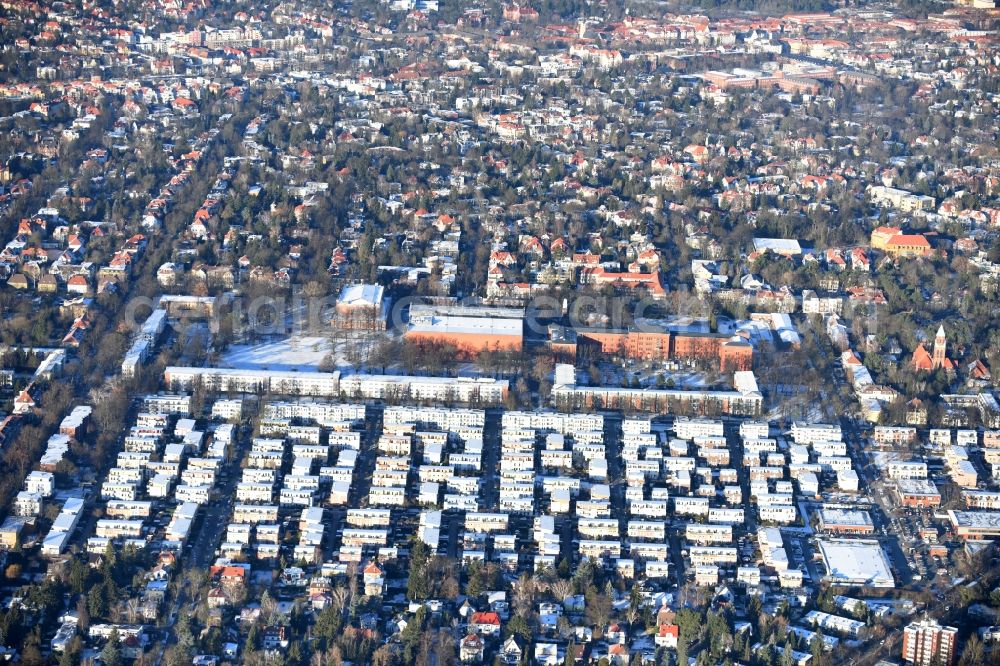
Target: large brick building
917, 493
470, 335
470, 329
731, 355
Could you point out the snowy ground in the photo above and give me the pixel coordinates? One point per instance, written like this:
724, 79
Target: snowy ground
611, 375
303, 353
306, 353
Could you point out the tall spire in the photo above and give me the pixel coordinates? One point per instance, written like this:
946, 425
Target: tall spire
940, 345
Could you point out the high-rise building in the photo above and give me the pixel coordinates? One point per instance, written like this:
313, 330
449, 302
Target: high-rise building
926, 640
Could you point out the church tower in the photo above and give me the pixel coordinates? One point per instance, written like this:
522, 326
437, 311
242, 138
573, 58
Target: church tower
940, 345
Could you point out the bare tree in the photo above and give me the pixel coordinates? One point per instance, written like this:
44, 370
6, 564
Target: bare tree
524, 595
339, 597
561, 588
133, 608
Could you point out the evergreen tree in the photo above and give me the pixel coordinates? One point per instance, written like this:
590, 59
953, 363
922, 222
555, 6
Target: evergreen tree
417, 587
329, 624
111, 655
253, 638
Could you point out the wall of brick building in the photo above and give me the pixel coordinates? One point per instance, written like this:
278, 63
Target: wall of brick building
470, 344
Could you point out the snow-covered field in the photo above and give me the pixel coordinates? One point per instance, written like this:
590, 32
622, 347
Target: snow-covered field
292, 353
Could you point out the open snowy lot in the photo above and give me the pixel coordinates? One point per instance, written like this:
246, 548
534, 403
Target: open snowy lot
291, 353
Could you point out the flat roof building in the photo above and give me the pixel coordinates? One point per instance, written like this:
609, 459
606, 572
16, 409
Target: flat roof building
975, 524
469, 334
845, 521
917, 493
856, 562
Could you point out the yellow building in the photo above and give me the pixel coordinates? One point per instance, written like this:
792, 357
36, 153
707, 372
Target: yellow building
908, 245
11, 530
881, 236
